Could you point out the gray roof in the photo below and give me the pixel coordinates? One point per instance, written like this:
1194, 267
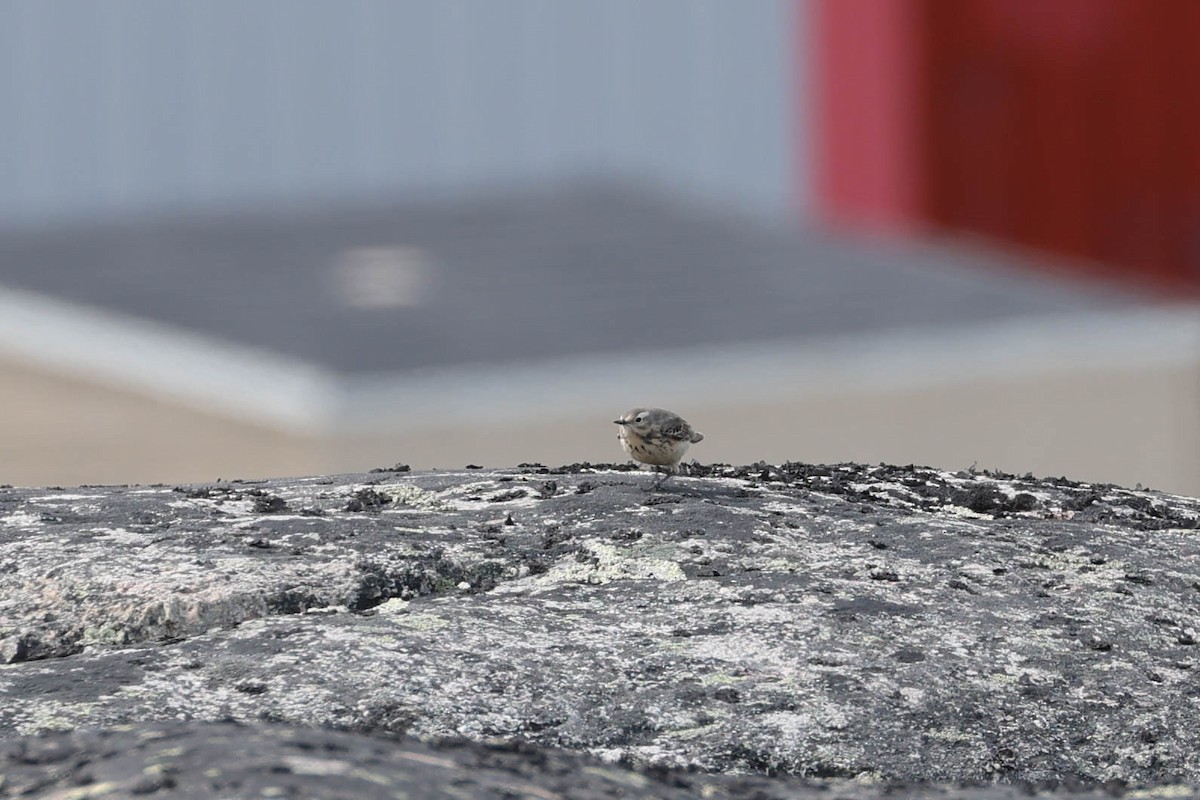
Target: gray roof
579, 268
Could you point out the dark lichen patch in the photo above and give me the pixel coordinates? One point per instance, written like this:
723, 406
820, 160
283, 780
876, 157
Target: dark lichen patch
986, 499
367, 499
380, 581
987, 492
507, 496
397, 468
587, 466
269, 504
220, 492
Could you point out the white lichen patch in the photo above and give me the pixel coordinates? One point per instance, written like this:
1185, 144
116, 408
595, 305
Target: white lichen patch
1081, 565
607, 563
122, 536
326, 610
951, 735
483, 495
50, 715
963, 511
420, 622
228, 506
792, 510
790, 728
324, 767
748, 648
393, 606
952, 526
1166, 792
64, 498
747, 512
412, 496
22, 519
793, 550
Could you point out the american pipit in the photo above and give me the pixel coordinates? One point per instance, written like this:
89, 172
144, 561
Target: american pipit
656, 437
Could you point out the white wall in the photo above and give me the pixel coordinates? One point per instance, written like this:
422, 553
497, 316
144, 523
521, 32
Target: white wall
131, 105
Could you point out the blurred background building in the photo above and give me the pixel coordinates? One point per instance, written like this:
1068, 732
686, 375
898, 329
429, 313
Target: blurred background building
240, 240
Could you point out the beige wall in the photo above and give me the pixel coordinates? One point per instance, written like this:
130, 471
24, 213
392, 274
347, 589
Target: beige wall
55, 430
1126, 426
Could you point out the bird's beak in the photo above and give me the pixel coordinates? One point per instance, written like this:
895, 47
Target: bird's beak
620, 422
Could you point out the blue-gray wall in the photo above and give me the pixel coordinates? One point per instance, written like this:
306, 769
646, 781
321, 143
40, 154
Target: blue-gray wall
123, 106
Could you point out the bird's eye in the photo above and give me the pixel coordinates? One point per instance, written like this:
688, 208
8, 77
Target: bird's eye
639, 418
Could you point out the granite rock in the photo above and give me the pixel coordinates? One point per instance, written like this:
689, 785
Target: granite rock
867, 626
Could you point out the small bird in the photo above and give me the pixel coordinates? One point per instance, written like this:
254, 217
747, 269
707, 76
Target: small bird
656, 437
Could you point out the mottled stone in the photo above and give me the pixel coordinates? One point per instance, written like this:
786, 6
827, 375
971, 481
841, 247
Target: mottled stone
843, 623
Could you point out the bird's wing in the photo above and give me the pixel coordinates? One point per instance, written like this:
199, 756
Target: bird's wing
679, 429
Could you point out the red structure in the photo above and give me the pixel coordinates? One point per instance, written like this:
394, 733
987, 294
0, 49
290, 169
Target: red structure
1071, 126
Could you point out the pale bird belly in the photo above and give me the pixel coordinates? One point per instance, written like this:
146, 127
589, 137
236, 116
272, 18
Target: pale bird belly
666, 454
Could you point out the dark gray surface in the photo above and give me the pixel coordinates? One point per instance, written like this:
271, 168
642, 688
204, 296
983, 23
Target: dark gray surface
226, 760
567, 270
883, 623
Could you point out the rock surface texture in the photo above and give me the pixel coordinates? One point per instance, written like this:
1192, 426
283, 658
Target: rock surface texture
776, 631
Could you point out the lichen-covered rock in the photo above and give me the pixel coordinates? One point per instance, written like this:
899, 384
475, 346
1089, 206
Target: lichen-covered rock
845, 622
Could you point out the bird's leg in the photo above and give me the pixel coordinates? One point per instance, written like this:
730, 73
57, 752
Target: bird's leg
664, 474
657, 479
